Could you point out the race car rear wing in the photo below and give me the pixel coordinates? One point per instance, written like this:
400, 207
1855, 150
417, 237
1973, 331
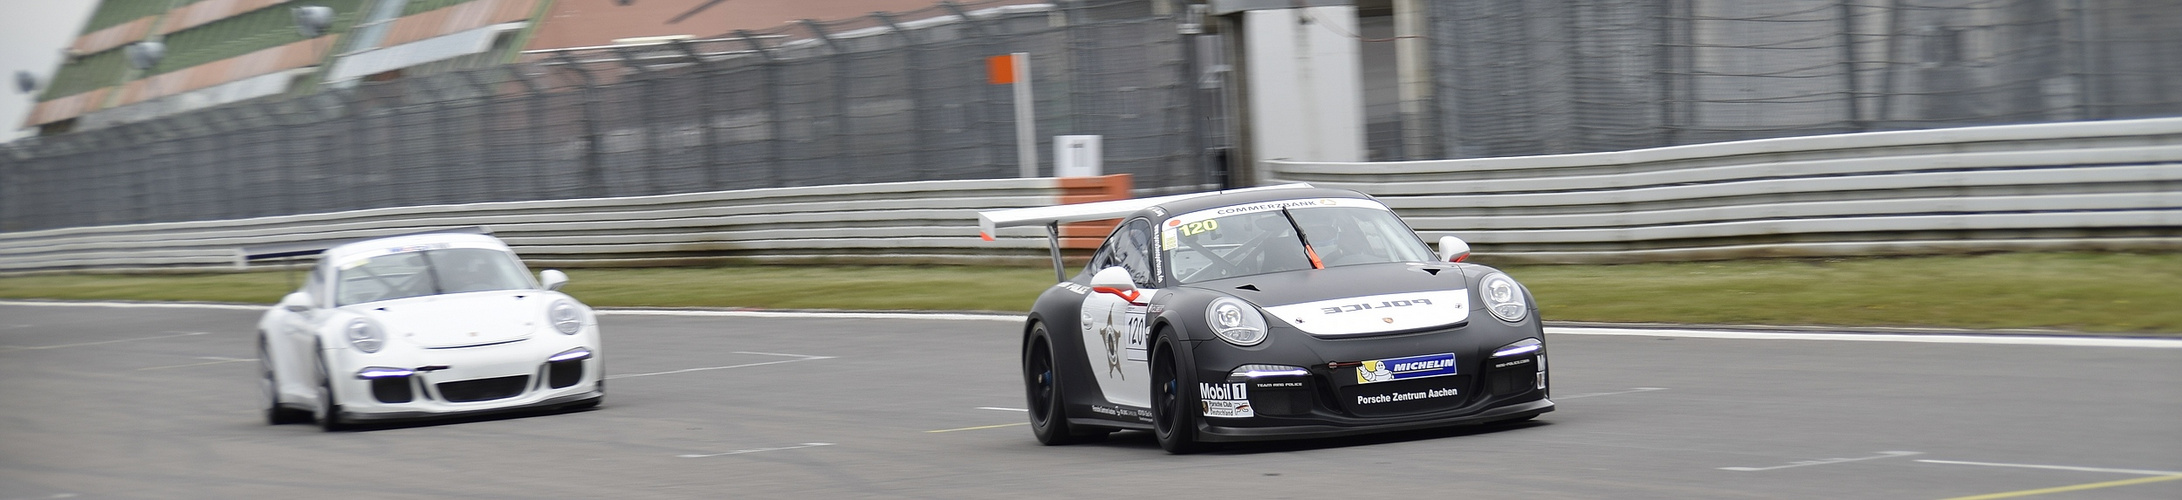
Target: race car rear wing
1053, 216
302, 248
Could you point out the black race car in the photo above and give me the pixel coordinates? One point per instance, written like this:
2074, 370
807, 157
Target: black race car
1267, 313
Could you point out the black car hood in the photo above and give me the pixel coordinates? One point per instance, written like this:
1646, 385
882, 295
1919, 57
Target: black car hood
1356, 300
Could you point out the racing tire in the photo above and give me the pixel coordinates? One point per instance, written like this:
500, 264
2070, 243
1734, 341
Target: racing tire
275, 414
328, 414
1173, 422
1043, 396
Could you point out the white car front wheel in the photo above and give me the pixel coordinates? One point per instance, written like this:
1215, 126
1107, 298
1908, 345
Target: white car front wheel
329, 409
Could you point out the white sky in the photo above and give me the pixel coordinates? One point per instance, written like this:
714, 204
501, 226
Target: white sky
32, 35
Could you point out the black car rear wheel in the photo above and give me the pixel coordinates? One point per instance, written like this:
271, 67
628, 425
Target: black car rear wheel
1174, 416
1042, 390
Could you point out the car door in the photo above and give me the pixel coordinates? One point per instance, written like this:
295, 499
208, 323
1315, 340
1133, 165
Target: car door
299, 336
1115, 330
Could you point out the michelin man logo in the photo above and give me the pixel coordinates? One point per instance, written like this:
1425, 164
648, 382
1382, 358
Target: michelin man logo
1373, 371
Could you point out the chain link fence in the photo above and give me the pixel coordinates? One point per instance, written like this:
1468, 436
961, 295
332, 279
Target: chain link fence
1517, 77
904, 97
885, 98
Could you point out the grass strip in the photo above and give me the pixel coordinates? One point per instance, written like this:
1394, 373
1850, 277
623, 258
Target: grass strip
2086, 292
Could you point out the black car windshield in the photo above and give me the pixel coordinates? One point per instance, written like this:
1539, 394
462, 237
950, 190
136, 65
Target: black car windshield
428, 272
1261, 238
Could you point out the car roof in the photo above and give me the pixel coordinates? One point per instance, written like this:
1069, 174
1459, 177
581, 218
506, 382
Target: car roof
988, 221
382, 246
1158, 207
1188, 205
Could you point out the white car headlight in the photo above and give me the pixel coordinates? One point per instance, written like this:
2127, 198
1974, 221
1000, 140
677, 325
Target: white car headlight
1235, 321
565, 317
1503, 297
365, 335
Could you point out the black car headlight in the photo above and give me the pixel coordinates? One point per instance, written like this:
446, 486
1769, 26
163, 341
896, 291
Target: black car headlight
365, 335
1503, 297
1235, 321
565, 317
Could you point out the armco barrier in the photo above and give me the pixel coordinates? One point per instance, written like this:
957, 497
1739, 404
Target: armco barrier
2109, 185
889, 223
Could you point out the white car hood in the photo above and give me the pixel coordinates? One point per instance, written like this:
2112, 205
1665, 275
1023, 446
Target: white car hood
465, 319
1357, 300
1376, 313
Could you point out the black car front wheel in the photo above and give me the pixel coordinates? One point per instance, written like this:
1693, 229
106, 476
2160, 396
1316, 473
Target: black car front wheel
1174, 411
329, 407
1042, 392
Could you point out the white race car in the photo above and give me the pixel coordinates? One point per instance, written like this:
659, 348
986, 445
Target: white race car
424, 325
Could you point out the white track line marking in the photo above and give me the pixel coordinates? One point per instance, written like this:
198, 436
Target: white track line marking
2001, 339
756, 450
162, 305
2004, 339
102, 342
2059, 467
1000, 409
800, 357
1631, 391
215, 360
981, 427
1824, 461
1011, 318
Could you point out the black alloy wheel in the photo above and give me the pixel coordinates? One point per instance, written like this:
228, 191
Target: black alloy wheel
1173, 421
329, 412
1042, 393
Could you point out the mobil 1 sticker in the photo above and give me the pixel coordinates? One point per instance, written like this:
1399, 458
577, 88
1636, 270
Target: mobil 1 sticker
1389, 370
1227, 399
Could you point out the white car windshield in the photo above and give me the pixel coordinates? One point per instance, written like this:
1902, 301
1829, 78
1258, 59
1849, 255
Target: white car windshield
1246, 242
429, 272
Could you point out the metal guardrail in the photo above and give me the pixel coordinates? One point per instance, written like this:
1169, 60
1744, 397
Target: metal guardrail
2111, 185
929, 221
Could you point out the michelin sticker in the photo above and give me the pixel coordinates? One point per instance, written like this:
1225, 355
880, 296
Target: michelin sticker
1389, 370
1225, 400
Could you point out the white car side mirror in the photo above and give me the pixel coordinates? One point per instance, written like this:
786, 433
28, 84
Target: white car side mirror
1115, 280
553, 279
296, 302
1453, 249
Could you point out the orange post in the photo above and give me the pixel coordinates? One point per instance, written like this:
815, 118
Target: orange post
1087, 235
1000, 70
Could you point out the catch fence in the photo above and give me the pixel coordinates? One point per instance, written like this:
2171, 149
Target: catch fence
1516, 77
885, 98
904, 97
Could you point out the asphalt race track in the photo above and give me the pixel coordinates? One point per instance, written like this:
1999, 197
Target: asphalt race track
162, 402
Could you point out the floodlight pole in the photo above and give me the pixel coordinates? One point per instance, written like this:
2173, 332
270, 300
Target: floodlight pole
1026, 121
